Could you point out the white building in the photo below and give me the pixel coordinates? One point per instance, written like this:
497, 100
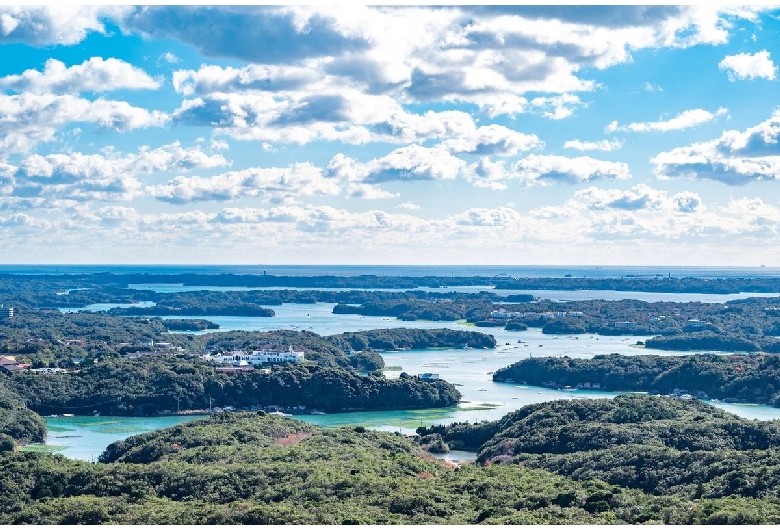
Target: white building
257, 357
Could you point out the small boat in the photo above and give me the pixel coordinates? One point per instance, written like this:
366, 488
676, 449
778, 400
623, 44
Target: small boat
67, 415
482, 390
318, 412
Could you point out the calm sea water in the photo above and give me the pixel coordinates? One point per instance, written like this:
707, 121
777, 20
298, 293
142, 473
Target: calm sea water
527, 271
549, 294
470, 369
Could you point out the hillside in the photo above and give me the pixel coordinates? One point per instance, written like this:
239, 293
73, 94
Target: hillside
260, 469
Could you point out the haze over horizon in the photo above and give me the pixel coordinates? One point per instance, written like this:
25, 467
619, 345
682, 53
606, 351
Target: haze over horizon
559, 135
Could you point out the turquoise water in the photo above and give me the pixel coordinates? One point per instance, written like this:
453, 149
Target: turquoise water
469, 369
105, 307
85, 437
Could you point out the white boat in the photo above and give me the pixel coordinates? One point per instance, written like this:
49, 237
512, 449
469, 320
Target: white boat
67, 415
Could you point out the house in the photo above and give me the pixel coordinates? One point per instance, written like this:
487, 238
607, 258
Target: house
6, 312
428, 377
258, 357
9, 364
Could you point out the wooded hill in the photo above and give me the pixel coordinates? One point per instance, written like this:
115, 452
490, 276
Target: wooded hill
251, 469
746, 378
663, 446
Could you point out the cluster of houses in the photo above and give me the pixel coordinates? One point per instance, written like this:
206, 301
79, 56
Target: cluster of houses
9, 364
503, 314
6, 312
242, 361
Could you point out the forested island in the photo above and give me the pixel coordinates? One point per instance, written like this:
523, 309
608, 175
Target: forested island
631, 460
739, 378
746, 325
340, 372
162, 386
656, 284
664, 447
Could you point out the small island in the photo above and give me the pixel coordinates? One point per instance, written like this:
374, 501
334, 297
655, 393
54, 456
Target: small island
738, 378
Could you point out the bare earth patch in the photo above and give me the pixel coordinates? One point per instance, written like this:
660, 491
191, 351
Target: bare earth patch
292, 439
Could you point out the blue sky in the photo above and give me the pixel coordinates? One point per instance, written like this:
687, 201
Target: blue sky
398, 135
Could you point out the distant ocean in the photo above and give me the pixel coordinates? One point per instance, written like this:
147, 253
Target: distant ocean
522, 271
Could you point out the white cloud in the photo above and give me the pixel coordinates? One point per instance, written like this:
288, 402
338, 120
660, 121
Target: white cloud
684, 120
54, 24
639, 197
736, 158
408, 163
408, 206
601, 145
107, 177
94, 75
557, 107
491, 57
546, 169
749, 66
650, 87
492, 140
28, 119
169, 58
270, 184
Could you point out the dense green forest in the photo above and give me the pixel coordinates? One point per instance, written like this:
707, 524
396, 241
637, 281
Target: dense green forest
18, 424
750, 324
143, 387
746, 378
52, 338
259, 469
663, 446
118, 384
658, 284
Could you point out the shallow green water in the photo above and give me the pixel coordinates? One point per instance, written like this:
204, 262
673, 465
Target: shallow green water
85, 437
471, 370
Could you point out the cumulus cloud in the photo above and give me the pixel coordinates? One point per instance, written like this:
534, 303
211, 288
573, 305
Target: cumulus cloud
408, 206
601, 145
493, 140
348, 116
28, 119
54, 24
557, 107
546, 169
258, 34
109, 177
749, 66
94, 75
736, 158
270, 184
490, 58
267, 78
413, 162
639, 197
684, 120
169, 58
